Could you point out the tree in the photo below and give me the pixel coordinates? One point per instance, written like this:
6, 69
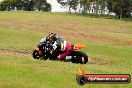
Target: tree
7, 5
42, 5
46, 7
71, 4
26, 5
74, 4
122, 8
85, 5
103, 6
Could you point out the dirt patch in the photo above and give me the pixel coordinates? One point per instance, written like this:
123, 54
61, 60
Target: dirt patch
106, 39
25, 53
98, 61
69, 30
15, 52
91, 37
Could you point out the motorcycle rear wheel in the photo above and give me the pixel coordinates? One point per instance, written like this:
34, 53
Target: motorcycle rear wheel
79, 57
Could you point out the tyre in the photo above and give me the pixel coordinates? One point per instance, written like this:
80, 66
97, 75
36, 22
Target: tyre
35, 54
79, 57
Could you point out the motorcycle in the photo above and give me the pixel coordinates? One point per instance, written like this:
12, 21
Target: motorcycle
75, 56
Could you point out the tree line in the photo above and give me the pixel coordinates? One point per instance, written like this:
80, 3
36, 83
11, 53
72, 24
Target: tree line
121, 8
25, 5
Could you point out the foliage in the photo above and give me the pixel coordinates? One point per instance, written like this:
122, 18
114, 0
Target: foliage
25, 5
122, 8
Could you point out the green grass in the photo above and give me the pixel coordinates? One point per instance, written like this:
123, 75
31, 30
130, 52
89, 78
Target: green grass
24, 73
108, 43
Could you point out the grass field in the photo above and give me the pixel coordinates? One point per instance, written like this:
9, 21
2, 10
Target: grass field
108, 44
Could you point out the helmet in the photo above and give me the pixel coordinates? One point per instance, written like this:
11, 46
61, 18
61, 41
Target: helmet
51, 37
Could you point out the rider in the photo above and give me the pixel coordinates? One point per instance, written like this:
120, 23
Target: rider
59, 44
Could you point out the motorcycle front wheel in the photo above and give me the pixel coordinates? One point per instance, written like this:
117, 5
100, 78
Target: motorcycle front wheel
35, 54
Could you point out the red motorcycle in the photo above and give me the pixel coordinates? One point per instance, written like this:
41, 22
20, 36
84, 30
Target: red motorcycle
74, 56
